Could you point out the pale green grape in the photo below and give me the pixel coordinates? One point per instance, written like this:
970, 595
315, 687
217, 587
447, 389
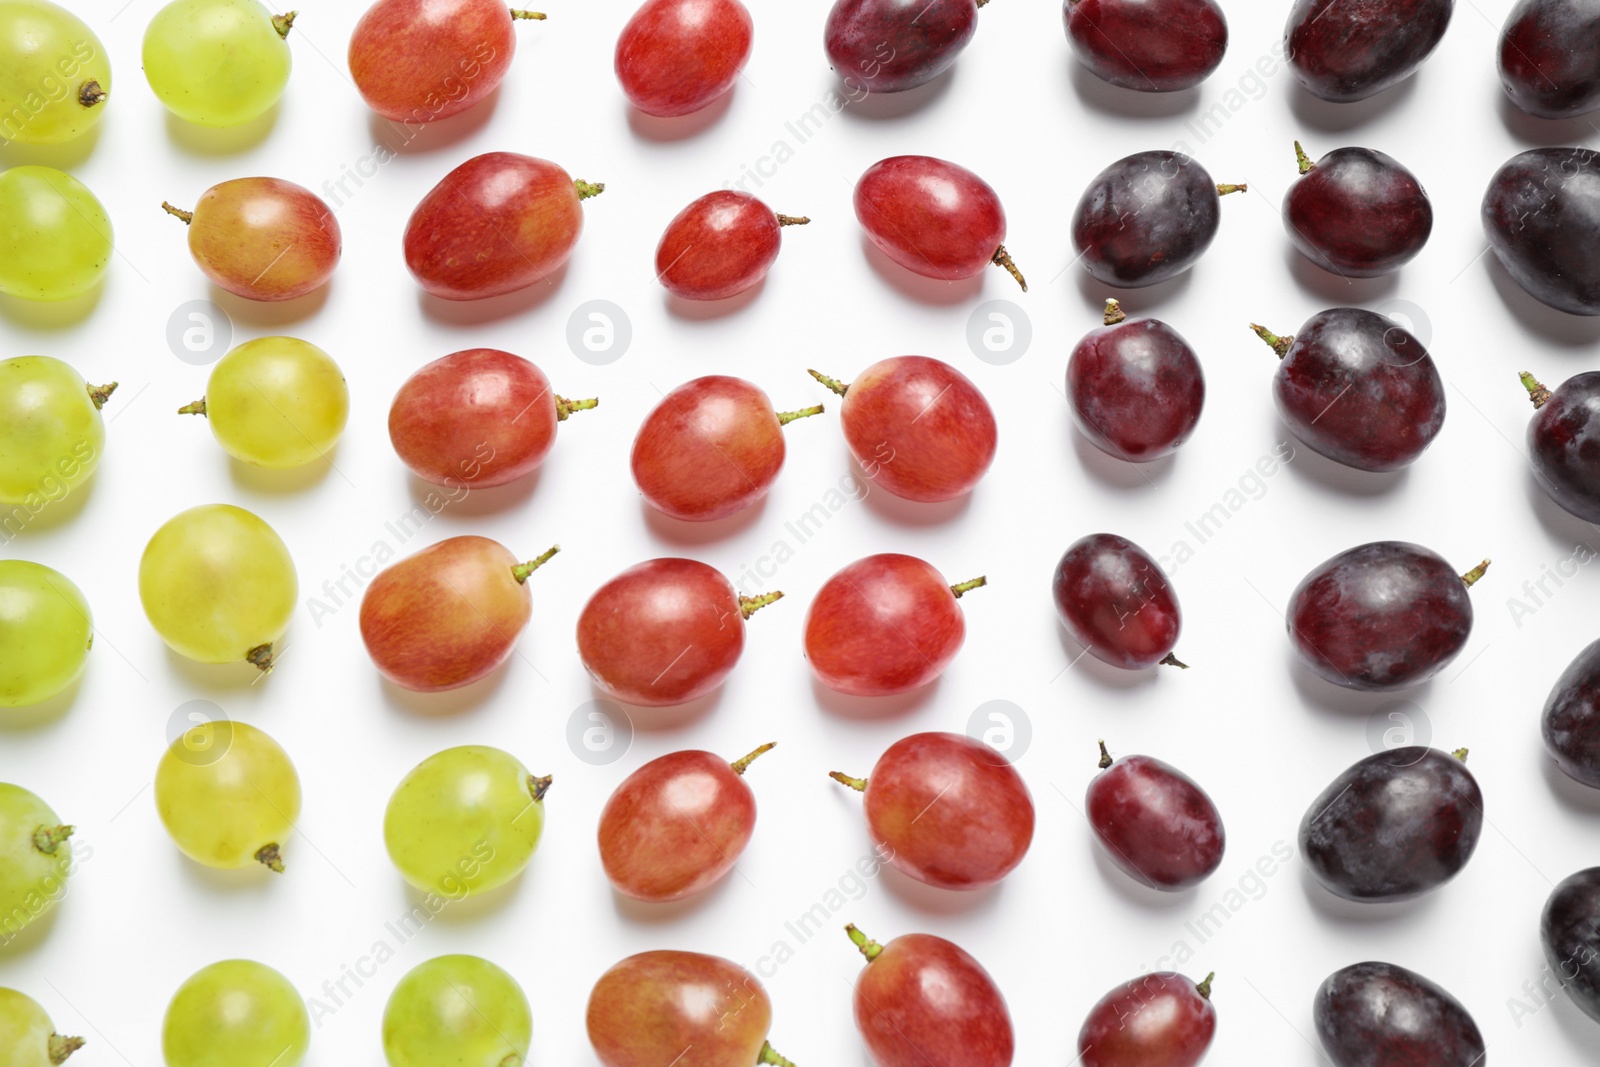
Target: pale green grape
465, 821
55, 237
275, 402
457, 1010
237, 1013
218, 585
27, 1037
55, 75
51, 433
35, 859
45, 633
228, 795
217, 62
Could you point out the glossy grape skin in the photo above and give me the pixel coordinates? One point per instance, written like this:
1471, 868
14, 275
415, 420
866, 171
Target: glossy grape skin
424, 60
35, 857
458, 1010
276, 402
218, 585
234, 1013
1380, 616
1382, 1015
217, 63
1569, 931
1159, 1020
46, 630
675, 57
1549, 57
51, 432
1117, 603
1357, 213
1156, 823
53, 69
1561, 442
933, 217
720, 245
1571, 720
923, 1001
1348, 50
1542, 217
1135, 389
263, 238
27, 1035
1151, 47
228, 795
948, 810
1394, 825
889, 46
1146, 218
55, 237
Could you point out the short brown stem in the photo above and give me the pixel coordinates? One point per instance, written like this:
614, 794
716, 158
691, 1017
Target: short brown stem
1114, 313
588, 189
521, 571
743, 764
196, 408
177, 212
270, 857
969, 585
284, 23
565, 407
786, 417
794, 220
869, 948
749, 605
1002, 258
1171, 660
91, 94
1472, 576
1105, 757
1279, 345
1536, 390
539, 786
47, 839
59, 1048
260, 658
99, 394
858, 784
1224, 188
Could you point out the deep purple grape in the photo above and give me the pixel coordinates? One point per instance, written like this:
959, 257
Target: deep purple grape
1356, 212
1135, 388
1564, 441
1542, 218
1155, 822
1394, 825
1358, 388
1382, 1015
1550, 57
1571, 722
889, 46
1569, 930
1146, 218
1153, 46
1116, 602
1346, 50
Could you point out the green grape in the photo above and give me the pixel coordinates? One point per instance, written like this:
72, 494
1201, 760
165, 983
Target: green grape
228, 795
55, 237
45, 633
457, 1010
35, 859
465, 821
27, 1037
237, 1013
275, 402
217, 62
55, 75
51, 433
218, 585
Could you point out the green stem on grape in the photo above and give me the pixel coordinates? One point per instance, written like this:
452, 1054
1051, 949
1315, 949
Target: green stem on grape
1172, 660
769, 1055
1224, 188
1302, 159
521, 571
969, 585
1460, 754
284, 23
858, 784
99, 394
178, 212
588, 189
518, 13
1472, 576
1536, 390
786, 417
270, 857
48, 839
869, 948
260, 657
832, 383
196, 408
741, 765
1279, 345
1204, 988
565, 407
538, 787
92, 93
59, 1048
749, 605
1105, 757
1002, 258
794, 220
1114, 313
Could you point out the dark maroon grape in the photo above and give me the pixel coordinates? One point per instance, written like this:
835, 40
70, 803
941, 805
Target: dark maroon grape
1570, 932
1146, 218
1154, 46
1564, 441
1381, 616
1382, 1015
1155, 822
1358, 388
892, 45
1572, 718
1356, 212
1550, 57
1158, 1020
1345, 50
1115, 601
1542, 217
1136, 388
1394, 825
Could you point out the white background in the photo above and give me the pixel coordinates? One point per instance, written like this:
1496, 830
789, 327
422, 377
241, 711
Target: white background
1258, 732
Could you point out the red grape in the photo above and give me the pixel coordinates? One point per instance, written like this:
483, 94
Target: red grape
1156, 824
889, 46
1561, 442
1380, 1013
1550, 57
1571, 720
1147, 218
720, 245
1136, 388
1159, 1020
1541, 214
934, 218
262, 238
1116, 602
1349, 51
676, 56
1153, 47
1569, 931
1356, 212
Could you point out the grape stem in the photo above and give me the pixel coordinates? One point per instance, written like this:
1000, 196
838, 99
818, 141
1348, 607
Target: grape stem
588, 189
178, 212
518, 13
1105, 757
769, 1055
59, 1048
786, 417
1302, 159
1204, 988
565, 407
858, 784
741, 765
1536, 390
196, 408
1224, 188
869, 948
91, 93
48, 839
1114, 313
832, 383
749, 605
1460, 754
99, 394
538, 787
1279, 345
1173, 661
794, 220
1002, 258
260, 657
1472, 576
270, 857
284, 23
521, 571
969, 585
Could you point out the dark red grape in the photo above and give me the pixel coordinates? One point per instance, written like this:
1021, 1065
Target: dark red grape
1542, 216
1146, 218
1381, 616
1155, 822
1345, 50
1357, 212
1550, 57
1569, 930
888, 46
1358, 388
720, 245
1159, 1020
1382, 1015
1571, 722
934, 218
1157, 47
1564, 442
675, 57
1394, 825
1116, 602
1136, 388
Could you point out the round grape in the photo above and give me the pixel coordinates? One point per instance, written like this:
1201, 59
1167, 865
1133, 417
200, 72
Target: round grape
55, 237
228, 795
457, 1010
275, 402
51, 433
45, 629
217, 62
55, 75
35, 858
27, 1035
236, 1013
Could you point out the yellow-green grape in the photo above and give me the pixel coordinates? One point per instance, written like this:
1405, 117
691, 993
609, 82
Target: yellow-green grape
465, 821
237, 1013
35, 859
55, 237
457, 1010
51, 433
217, 62
275, 402
55, 75
218, 585
45, 633
27, 1036
228, 795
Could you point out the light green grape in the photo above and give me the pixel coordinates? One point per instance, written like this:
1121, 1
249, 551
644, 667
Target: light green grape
275, 402
457, 1010
55, 237
45, 633
218, 585
51, 433
465, 821
35, 859
55, 75
27, 1036
237, 1013
217, 62
228, 795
